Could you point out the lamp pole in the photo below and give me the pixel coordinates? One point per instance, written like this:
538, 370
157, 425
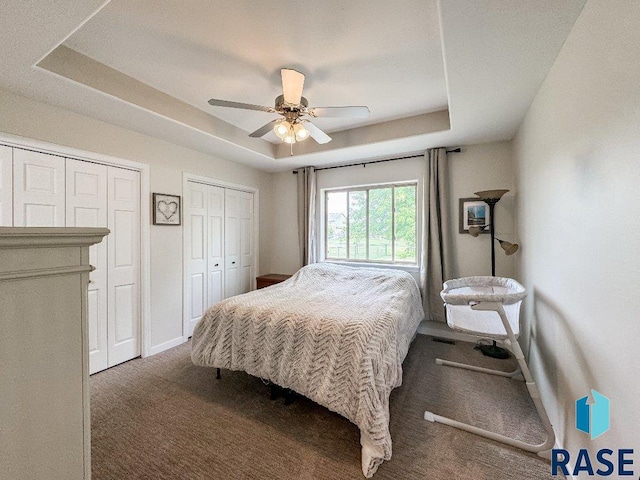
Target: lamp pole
491, 197
492, 203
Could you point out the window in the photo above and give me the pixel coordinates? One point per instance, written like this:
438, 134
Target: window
376, 224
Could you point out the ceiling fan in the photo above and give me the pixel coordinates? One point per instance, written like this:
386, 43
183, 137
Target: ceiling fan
293, 107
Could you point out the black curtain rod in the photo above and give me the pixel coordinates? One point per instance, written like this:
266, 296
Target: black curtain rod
454, 150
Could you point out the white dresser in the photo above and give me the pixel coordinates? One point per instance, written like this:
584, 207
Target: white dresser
44, 368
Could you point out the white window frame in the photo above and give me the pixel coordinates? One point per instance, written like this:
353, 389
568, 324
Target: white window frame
408, 266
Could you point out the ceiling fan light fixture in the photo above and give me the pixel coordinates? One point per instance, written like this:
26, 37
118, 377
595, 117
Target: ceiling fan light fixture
300, 132
281, 129
290, 138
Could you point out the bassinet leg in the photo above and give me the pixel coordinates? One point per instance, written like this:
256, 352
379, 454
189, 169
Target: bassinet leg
217, 374
542, 449
516, 374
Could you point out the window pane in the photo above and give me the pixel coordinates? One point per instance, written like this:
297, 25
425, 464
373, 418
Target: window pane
358, 225
380, 224
337, 225
405, 223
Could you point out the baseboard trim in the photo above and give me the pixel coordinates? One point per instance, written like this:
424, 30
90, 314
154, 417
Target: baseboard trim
167, 345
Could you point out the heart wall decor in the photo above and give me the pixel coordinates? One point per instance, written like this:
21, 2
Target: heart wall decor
166, 209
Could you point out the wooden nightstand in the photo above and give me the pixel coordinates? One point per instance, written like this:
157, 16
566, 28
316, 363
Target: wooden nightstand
270, 279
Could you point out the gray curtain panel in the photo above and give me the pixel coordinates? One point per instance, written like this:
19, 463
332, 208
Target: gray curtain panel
307, 214
436, 242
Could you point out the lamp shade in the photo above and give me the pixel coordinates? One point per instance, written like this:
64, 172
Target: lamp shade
474, 231
491, 194
508, 247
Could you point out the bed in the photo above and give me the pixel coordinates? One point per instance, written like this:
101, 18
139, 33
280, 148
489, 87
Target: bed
335, 334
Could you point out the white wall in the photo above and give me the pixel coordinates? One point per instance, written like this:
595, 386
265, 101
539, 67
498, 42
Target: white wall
578, 169
28, 118
477, 167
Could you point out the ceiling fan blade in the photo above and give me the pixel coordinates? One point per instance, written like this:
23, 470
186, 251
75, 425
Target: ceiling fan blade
292, 83
344, 112
246, 106
263, 130
317, 134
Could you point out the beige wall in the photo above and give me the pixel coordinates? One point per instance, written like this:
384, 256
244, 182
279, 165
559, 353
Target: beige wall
578, 170
28, 118
487, 166
477, 167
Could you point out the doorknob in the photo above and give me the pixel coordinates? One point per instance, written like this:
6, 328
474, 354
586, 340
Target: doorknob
233, 263
217, 264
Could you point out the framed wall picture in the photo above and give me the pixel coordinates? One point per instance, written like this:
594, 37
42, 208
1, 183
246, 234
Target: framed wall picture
166, 209
474, 213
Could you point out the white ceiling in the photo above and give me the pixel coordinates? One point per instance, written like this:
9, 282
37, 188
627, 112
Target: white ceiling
386, 55
151, 66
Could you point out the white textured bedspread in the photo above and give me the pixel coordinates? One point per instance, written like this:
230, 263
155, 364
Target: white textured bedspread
335, 334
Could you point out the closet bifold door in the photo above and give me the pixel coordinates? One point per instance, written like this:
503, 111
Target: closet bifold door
123, 258
215, 250
246, 241
232, 243
38, 189
204, 250
195, 284
6, 186
87, 207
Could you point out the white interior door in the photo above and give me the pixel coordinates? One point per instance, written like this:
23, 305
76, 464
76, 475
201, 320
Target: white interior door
39, 189
195, 210
215, 247
86, 206
123, 258
6, 186
246, 241
232, 243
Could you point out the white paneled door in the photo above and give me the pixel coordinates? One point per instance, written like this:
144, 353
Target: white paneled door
232, 242
87, 207
38, 189
215, 245
195, 212
42, 190
6, 186
246, 241
219, 247
204, 250
123, 275
238, 241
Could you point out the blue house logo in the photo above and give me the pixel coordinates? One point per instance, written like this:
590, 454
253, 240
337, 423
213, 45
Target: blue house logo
592, 417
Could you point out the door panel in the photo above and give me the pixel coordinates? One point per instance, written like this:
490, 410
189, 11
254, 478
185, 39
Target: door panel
195, 285
246, 241
86, 206
215, 260
39, 189
123, 312
204, 253
6, 186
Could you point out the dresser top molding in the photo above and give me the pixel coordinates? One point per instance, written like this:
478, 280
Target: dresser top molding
21, 237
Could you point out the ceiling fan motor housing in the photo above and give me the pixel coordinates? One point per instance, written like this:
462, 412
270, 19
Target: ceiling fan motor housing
290, 112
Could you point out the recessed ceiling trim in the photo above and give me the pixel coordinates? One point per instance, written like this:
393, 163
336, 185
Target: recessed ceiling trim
70, 34
375, 133
74, 66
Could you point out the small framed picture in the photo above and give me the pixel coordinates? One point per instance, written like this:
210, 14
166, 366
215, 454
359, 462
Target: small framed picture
166, 209
474, 213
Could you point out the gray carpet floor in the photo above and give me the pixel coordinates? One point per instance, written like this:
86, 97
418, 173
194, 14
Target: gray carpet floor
164, 418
